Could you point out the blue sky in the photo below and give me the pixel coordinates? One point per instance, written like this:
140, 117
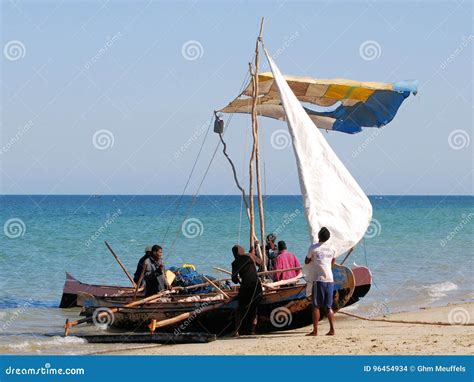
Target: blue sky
110, 97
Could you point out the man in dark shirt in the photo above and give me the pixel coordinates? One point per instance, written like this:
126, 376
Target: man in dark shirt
155, 276
139, 270
250, 292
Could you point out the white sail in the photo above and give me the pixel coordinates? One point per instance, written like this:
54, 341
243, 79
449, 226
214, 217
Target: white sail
332, 198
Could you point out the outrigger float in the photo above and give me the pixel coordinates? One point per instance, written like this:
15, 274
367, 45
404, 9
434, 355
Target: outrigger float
331, 198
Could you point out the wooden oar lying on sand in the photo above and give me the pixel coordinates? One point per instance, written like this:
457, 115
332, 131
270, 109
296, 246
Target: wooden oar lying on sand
69, 325
184, 316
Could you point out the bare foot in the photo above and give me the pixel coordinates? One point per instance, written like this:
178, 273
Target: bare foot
331, 333
313, 333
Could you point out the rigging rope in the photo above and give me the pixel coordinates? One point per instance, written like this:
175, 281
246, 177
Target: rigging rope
403, 321
193, 201
187, 182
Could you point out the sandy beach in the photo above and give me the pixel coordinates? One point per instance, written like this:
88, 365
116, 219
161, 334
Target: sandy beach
354, 336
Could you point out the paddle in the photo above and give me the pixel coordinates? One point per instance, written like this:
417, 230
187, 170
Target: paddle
181, 317
121, 264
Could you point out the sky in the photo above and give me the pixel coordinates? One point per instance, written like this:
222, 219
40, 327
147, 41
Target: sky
115, 97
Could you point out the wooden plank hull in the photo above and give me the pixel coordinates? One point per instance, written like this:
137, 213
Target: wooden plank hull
72, 286
282, 309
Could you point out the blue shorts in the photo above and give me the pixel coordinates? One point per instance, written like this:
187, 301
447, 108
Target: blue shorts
322, 294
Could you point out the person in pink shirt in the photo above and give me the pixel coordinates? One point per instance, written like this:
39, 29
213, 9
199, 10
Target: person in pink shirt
286, 260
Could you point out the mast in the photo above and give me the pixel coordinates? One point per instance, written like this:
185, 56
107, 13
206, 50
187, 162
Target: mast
256, 156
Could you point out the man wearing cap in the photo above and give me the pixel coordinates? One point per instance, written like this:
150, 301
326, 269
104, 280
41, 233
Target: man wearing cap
139, 270
250, 292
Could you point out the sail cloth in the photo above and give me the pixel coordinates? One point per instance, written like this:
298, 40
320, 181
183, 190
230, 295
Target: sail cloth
338, 104
331, 196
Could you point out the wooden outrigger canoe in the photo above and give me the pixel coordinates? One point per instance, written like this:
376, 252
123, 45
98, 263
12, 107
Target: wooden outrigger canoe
72, 287
287, 307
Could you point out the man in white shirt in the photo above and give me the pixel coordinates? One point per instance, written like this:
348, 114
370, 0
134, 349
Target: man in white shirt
322, 257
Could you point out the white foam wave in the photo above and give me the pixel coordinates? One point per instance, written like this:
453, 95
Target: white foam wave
50, 342
440, 290
57, 340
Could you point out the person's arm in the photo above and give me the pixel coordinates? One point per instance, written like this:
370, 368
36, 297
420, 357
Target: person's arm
333, 262
235, 274
257, 260
309, 256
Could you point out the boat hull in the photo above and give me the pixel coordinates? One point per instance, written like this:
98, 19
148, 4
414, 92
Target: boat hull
281, 309
73, 286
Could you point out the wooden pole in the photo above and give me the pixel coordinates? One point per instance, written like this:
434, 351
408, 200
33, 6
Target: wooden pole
222, 270
121, 264
181, 317
216, 286
252, 157
255, 156
257, 153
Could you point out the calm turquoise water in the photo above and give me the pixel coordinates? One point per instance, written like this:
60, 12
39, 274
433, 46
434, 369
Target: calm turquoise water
420, 250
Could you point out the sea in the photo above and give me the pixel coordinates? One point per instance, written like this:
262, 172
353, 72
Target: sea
418, 248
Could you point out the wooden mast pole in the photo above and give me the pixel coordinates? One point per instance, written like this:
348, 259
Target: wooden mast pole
257, 162
255, 156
